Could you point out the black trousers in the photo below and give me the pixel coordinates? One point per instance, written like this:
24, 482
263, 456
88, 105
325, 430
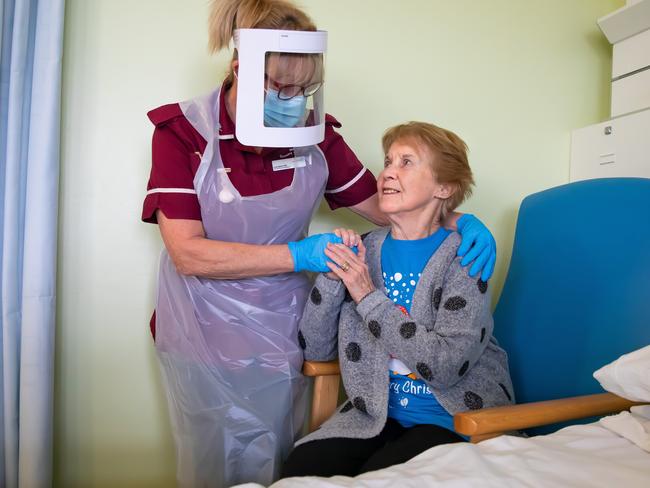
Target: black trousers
394, 444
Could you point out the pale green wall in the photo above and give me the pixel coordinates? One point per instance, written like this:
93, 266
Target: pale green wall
511, 77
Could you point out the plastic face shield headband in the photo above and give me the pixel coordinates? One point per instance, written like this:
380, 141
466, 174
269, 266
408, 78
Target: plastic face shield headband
280, 87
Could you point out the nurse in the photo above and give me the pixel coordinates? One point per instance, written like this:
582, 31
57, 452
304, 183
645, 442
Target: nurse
236, 177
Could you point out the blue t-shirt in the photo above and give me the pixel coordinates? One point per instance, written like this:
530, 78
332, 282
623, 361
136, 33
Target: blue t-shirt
410, 400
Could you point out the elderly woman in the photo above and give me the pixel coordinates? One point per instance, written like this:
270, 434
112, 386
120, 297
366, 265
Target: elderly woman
412, 330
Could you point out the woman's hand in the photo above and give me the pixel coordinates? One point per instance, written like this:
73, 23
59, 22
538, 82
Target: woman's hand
351, 239
351, 269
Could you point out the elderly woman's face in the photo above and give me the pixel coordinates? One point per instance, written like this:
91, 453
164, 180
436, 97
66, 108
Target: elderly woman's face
407, 184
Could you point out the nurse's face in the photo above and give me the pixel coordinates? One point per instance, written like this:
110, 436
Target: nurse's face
407, 185
294, 78
293, 74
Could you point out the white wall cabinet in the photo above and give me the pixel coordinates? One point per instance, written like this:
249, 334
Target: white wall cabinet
628, 29
615, 148
631, 93
621, 146
630, 55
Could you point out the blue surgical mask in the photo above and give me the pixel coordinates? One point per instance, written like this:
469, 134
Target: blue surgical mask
283, 113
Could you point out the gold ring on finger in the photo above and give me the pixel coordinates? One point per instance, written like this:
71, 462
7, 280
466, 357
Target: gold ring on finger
345, 266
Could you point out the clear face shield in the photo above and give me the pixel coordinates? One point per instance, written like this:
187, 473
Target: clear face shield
280, 87
293, 90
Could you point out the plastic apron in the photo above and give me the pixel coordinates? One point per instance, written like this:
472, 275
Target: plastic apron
228, 349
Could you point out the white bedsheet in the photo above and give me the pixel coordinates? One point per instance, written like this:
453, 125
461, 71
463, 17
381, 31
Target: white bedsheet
578, 456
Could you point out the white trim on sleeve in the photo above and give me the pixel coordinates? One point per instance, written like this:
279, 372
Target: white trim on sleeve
348, 184
171, 190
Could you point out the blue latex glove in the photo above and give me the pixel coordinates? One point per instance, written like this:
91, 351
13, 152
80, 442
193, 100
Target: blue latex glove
309, 253
477, 239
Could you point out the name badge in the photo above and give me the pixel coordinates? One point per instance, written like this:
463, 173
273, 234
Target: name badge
289, 163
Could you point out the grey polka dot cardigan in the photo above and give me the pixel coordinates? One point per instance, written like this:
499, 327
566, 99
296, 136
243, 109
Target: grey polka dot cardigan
447, 340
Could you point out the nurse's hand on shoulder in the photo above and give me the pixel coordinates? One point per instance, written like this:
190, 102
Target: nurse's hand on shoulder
351, 268
477, 245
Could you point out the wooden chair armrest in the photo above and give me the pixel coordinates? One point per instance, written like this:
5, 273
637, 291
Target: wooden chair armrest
326, 389
321, 368
490, 422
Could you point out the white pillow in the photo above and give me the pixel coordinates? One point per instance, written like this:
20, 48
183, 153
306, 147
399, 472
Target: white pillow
628, 376
633, 425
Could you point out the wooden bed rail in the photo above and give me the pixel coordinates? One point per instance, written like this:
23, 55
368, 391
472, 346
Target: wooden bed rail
492, 422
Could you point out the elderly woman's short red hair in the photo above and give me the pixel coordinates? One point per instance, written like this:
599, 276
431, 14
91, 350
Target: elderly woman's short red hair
449, 156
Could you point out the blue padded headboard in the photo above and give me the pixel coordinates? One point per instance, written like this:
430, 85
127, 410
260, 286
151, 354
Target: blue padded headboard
577, 294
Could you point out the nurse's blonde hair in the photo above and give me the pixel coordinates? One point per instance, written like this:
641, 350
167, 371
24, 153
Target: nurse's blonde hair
450, 163
228, 15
